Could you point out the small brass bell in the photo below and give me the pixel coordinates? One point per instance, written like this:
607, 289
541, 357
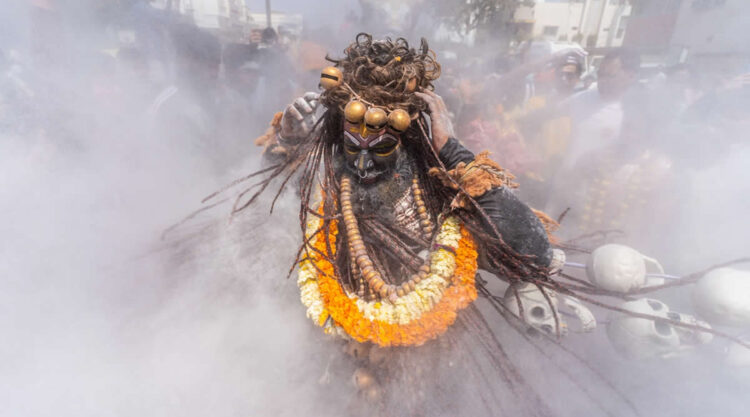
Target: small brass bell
399, 120
331, 77
354, 111
375, 118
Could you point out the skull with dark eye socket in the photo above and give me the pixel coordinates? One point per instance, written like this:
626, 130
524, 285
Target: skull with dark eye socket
370, 155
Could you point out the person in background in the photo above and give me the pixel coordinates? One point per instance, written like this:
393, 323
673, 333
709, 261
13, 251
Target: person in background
610, 172
546, 129
597, 114
568, 75
242, 98
618, 73
184, 113
269, 38
134, 75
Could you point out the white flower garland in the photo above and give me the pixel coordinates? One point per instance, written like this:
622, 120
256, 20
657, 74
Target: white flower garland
405, 309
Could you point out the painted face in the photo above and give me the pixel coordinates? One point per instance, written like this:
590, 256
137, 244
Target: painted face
369, 154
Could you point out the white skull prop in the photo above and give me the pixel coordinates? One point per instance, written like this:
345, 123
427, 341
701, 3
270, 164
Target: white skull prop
537, 311
585, 316
640, 338
620, 268
687, 335
723, 297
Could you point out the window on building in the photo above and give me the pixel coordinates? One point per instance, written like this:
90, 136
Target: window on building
550, 31
621, 27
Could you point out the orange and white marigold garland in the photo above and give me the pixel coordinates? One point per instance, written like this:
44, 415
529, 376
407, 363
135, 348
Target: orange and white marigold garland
411, 319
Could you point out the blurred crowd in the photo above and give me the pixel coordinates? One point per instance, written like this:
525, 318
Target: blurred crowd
611, 150
593, 139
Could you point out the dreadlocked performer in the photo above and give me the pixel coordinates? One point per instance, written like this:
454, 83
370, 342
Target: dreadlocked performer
397, 217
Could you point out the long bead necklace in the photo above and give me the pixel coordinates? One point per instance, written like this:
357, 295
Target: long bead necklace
358, 252
424, 217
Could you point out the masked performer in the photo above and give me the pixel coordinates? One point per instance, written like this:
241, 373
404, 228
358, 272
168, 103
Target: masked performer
397, 217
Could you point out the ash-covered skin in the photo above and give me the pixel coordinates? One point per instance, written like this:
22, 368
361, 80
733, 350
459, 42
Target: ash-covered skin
518, 225
379, 197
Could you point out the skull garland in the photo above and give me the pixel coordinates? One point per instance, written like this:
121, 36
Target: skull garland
539, 313
723, 297
640, 338
620, 268
585, 316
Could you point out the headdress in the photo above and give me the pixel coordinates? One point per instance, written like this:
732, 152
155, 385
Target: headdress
375, 81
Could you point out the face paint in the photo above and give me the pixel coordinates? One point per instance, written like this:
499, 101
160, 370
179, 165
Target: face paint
369, 155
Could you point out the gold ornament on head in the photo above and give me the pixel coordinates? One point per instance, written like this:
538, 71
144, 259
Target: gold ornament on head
399, 120
355, 111
375, 118
411, 86
331, 77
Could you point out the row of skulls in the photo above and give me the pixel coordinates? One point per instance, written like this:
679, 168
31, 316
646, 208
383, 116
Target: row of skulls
721, 297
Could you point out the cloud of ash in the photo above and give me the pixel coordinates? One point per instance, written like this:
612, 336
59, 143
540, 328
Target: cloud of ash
102, 315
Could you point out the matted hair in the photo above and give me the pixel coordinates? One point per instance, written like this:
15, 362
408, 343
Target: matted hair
385, 73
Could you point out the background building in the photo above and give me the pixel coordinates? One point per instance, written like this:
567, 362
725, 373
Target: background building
707, 33
229, 19
592, 23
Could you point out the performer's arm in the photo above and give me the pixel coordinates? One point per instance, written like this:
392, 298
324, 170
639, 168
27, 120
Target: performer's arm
519, 226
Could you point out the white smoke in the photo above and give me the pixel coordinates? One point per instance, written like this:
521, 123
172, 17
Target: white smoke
100, 316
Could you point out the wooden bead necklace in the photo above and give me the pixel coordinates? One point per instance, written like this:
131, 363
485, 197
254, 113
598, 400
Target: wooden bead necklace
361, 262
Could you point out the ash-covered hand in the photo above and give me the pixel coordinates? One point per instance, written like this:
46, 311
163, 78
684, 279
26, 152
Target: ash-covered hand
299, 117
442, 127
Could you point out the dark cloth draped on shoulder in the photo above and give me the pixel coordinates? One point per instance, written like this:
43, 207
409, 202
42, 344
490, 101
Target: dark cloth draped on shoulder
519, 226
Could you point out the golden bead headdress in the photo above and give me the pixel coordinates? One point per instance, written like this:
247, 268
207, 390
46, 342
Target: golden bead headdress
374, 83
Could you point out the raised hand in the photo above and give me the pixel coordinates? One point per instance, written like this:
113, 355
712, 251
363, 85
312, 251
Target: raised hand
442, 127
299, 117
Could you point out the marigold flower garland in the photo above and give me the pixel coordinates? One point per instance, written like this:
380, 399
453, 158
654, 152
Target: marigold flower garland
412, 319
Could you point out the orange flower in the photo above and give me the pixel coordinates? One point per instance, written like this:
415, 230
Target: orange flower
344, 311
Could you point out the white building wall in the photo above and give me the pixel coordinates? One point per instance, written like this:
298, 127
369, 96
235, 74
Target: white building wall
229, 19
207, 14
569, 20
611, 22
565, 17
